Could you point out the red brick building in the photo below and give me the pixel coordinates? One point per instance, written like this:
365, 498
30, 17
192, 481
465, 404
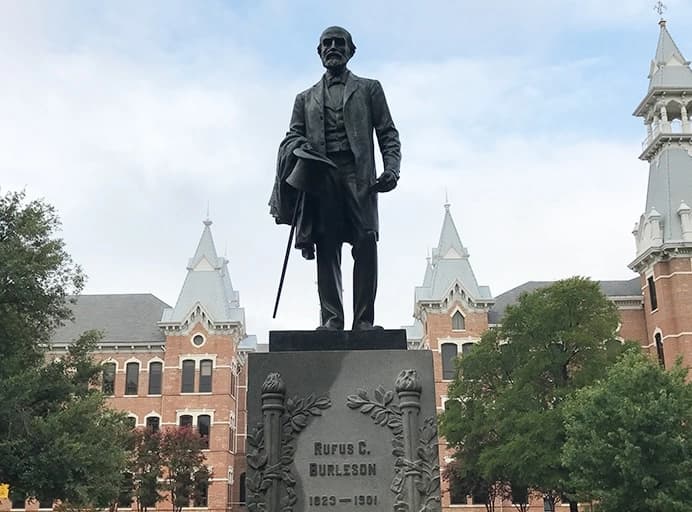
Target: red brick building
181, 365
451, 310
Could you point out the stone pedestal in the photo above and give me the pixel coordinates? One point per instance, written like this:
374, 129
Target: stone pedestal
344, 428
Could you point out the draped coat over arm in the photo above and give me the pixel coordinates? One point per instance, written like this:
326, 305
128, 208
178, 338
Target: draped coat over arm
365, 111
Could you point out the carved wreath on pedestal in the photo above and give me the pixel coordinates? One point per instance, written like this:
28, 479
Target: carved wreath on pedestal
416, 482
270, 484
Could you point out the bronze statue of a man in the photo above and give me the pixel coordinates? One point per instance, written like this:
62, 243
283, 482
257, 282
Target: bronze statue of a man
326, 182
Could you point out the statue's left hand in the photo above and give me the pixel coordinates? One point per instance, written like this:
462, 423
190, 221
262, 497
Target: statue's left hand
386, 182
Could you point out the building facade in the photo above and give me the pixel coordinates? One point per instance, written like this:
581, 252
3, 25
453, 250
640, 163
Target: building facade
452, 311
176, 366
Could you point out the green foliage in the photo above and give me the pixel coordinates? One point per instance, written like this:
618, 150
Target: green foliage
186, 476
629, 438
505, 423
57, 438
36, 277
145, 467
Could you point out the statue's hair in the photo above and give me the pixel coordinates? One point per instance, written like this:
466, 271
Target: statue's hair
349, 39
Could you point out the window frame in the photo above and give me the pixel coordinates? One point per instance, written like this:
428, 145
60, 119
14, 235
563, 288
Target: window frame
131, 385
205, 381
151, 376
190, 376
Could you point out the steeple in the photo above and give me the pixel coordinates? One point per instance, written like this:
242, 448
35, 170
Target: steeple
668, 149
207, 294
449, 271
668, 68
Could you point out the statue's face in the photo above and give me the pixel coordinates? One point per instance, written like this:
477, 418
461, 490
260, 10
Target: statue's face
334, 50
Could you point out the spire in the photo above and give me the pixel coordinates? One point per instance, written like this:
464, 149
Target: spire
450, 266
450, 244
668, 149
669, 68
207, 286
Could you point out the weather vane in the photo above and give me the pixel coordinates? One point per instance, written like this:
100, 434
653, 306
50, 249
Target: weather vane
659, 7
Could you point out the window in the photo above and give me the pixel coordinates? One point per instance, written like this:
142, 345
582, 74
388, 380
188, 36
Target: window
17, 501
131, 378
108, 382
242, 489
449, 354
458, 322
198, 340
153, 423
125, 492
155, 370
480, 496
659, 350
234, 381
131, 421
186, 420
188, 378
203, 426
45, 503
652, 293
466, 348
520, 494
205, 375
457, 491
231, 434
201, 494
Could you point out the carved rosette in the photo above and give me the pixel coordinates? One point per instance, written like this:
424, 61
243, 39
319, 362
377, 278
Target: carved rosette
416, 483
272, 444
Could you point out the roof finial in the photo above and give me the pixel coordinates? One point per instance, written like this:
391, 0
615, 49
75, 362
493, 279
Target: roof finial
207, 221
446, 205
659, 7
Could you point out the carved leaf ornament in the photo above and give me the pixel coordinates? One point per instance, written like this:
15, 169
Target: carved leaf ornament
423, 472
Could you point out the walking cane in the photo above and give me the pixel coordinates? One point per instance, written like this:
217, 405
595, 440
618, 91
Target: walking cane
288, 251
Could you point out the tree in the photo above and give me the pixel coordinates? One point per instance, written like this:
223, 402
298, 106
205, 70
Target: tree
629, 437
145, 466
58, 440
186, 475
511, 388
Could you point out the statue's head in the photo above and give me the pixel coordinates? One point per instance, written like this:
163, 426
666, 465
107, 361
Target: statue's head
336, 48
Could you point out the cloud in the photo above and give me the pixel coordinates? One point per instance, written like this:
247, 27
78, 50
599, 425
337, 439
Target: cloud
132, 120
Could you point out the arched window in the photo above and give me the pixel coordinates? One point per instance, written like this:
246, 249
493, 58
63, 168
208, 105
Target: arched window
131, 378
131, 421
188, 377
449, 354
205, 372
185, 420
466, 348
458, 322
155, 371
153, 423
108, 379
203, 427
659, 350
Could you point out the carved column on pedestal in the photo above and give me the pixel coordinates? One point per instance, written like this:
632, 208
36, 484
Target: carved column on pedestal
273, 395
408, 388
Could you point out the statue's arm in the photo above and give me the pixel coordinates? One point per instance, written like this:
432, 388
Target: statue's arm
387, 134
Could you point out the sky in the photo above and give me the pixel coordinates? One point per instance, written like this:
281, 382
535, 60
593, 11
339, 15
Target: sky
135, 119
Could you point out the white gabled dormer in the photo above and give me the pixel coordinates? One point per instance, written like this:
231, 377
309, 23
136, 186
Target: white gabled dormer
449, 277
207, 295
